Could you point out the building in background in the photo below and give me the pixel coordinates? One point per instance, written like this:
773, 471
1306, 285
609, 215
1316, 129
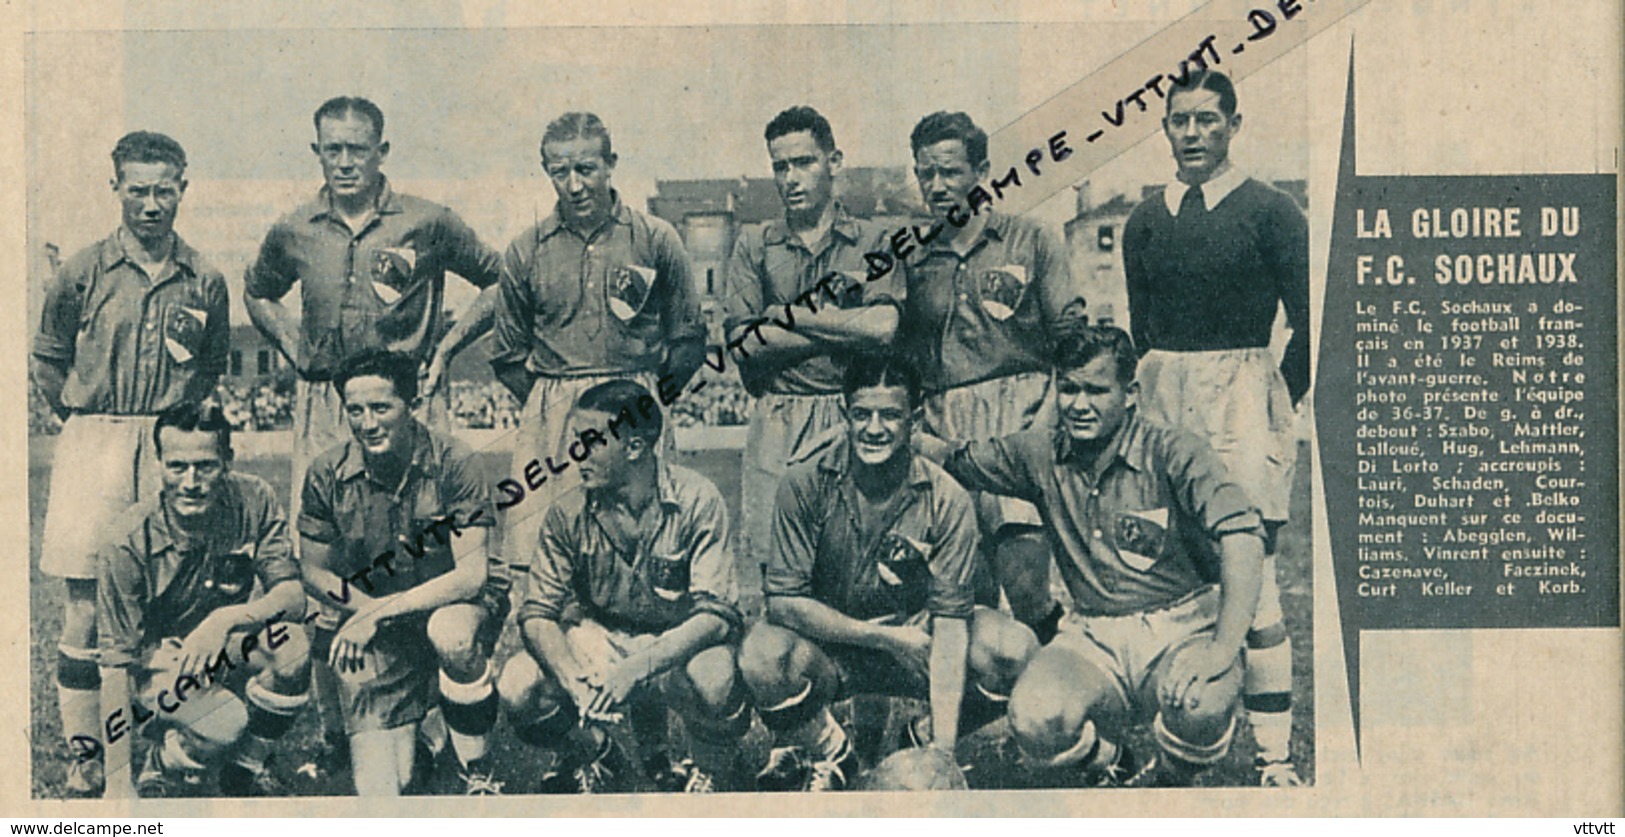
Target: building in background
709, 214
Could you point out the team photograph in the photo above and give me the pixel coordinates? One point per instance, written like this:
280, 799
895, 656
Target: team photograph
527, 412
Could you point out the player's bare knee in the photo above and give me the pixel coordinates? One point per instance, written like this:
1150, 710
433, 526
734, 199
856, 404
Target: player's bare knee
215, 728
290, 657
518, 684
1045, 725
766, 657
451, 631
711, 675
1057, 694
1205, 714
1046, 715
999, 650
79, 614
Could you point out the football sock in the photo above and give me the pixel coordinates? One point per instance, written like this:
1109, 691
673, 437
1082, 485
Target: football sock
78, 696
714, 740
325, 683
1267, 686
1090, 751
251, 753
1180, 750
470, 710
271, 713
1267, 695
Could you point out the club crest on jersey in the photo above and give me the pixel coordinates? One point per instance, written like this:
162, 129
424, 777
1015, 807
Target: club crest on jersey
1140, 536
392, 267
628, 289
903, 558
1002, 289
232, 574
669, 575
183, 330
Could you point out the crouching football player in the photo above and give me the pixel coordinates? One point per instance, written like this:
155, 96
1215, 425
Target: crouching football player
631, 607
1161, 553
215, 669
869, 591
393, 529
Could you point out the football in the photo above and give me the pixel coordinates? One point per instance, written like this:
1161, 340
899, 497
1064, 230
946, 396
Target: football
921, 768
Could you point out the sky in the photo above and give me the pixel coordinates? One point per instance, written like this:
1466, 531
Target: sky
465, 109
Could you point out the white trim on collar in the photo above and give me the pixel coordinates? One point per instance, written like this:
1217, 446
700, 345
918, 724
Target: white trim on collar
1215, 190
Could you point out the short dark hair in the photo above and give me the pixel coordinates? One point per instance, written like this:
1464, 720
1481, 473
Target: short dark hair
802, 118
191, 416
1211, 80
400, 370
629, 402
339, 107
882, 370
1076, 347
576, 125
943, 126
147, 147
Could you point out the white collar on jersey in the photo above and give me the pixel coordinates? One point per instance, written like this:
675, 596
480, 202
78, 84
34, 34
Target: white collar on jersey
1216, 189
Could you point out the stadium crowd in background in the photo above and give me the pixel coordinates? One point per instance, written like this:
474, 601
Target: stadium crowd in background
256, 407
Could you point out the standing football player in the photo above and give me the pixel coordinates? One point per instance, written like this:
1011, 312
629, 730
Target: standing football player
132, 325
222, 671
795, 372
632, 606
595, 292
1206, 265
371, 264
1145, 521
869, 591
984, 297
393, 536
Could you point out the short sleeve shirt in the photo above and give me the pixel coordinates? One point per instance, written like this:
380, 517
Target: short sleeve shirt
382, 287
915, 553
133, 345
676, 563
990, 313
155, 580
605, 303
1136, 529
772, 267
361, 516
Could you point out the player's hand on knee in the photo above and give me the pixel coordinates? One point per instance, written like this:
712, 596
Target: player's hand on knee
581, 689
349, 649
911, 645
1193, 668
614, 687
202, 646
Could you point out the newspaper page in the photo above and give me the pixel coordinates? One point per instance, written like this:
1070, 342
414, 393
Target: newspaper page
492, 409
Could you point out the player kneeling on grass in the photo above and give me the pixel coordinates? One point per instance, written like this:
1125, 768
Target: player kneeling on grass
393, 532
1146, 521
177, 611
631, 607
869, 591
